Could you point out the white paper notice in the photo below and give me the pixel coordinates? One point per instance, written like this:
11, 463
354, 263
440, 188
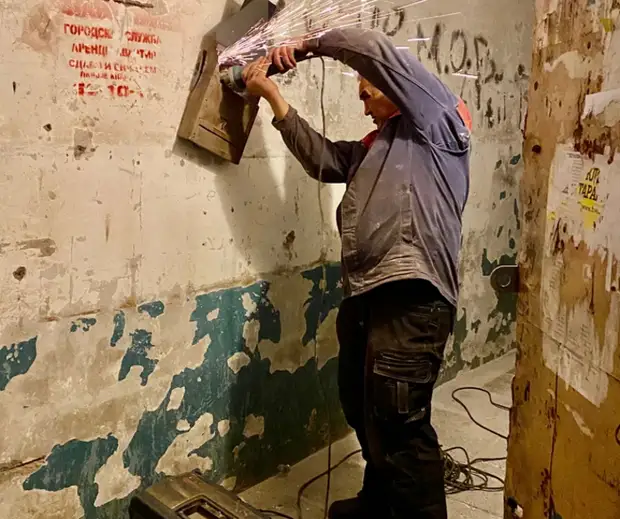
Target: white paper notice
579, 209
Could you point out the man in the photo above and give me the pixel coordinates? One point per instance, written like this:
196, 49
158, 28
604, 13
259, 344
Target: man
400, 224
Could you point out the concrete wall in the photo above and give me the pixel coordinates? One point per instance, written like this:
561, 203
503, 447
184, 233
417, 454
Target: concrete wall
160, 310
565, 434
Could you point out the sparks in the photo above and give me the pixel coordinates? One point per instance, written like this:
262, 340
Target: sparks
303, 20
468, 76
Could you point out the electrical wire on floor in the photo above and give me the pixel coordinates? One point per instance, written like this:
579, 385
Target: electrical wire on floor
458, 477
467, 476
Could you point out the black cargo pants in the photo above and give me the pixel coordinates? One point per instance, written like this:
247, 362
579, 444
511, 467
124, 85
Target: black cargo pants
392, 343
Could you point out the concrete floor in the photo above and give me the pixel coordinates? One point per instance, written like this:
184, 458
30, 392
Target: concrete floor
454, 428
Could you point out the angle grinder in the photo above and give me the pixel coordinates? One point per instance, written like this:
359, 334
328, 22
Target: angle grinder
232, 77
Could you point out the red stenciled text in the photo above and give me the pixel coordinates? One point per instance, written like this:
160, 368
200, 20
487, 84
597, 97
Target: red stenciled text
143, 53
142, 37
84, 89
81, 64
96, 33
90, 48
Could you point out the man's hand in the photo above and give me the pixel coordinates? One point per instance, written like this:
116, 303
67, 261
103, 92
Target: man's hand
256, 81
258, 84
284, 57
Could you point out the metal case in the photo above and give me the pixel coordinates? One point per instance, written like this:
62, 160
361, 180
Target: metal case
189, 497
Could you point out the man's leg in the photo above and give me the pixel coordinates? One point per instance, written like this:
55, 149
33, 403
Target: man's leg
351, 327
409, 326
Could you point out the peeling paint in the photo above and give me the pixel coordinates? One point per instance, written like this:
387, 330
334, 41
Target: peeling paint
254, 426
119, 328
154, 309
46, 246
74, 464
16, 360
137, 355
579, 421
84, 324
238, 361
176, 397
223, 427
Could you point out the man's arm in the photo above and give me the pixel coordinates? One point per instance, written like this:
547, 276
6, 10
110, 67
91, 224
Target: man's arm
305, 143
418, 93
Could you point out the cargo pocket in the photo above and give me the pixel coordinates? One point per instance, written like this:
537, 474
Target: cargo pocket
402, 390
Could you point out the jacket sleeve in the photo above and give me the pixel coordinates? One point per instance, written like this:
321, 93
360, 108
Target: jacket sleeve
306, 145
418, 93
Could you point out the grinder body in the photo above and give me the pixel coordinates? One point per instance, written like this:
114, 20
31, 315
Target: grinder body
232, 77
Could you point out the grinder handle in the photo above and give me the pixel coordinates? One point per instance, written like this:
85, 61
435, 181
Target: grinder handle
299, 57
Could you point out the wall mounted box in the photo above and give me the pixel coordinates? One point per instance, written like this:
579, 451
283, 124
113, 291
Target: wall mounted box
215, 118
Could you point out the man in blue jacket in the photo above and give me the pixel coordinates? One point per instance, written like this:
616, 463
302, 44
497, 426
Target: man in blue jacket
400, 224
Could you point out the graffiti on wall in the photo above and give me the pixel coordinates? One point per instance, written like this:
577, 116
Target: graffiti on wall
485, 86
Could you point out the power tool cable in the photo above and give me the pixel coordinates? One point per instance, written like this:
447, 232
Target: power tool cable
323, 289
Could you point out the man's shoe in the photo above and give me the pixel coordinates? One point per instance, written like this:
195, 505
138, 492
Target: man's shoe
355, 508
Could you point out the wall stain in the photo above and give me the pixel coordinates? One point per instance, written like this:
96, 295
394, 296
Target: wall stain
288, 244
83, 143
39, 31
46, 246
19, 273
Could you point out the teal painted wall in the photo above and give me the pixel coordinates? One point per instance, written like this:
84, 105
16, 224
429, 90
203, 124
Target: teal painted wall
245, 419
243, 410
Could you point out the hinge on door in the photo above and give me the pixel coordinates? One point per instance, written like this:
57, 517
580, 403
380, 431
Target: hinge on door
505, 279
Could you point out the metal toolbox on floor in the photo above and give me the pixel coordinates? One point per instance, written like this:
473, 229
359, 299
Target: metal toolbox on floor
189, 497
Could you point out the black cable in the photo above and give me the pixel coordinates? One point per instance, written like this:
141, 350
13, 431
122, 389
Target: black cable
327, 472
305, 486
466, 476
488, 393
274, 513
458, 476
323, 288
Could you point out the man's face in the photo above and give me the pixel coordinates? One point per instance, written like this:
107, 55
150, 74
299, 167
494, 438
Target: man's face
376, 105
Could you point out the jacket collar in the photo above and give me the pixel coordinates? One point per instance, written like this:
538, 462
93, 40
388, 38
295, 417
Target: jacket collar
370, 139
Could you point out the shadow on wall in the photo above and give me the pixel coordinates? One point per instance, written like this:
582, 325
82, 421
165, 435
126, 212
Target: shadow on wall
263, 214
